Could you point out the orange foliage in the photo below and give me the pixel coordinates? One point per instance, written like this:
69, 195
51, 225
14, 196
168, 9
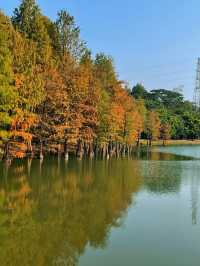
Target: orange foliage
21, 124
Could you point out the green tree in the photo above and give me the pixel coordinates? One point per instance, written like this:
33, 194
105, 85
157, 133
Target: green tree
69, 35
139, 92
25, 17
8, 94
166, 98
28, 20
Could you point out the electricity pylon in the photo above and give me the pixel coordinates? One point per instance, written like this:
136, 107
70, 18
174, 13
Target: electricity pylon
197, 86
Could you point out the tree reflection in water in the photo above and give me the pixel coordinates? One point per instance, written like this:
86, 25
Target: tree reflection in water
51, 211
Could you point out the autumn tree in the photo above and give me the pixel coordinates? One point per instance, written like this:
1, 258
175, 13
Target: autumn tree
152, 126
90, 100
53, 111
8, 93
104, 111
29, 86
105, 71
141, 113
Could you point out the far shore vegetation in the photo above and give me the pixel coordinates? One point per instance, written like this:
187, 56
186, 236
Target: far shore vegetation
57, 97
172, 142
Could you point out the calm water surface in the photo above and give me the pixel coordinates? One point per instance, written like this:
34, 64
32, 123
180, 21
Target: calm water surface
142, 211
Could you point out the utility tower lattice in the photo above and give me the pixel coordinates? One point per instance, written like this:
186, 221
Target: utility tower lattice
197, 86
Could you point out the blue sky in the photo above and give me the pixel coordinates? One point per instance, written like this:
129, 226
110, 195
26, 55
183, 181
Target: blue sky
155, 42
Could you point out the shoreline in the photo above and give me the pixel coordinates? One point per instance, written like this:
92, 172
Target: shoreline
123, 152
171, 142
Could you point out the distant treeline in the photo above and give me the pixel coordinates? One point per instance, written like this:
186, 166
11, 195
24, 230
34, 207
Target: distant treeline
52, 90
182, 116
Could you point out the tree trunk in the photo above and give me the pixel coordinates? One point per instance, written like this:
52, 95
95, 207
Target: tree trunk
80, 150
59, 149
6, 156
164, 142
91, 151
29, 165
138, 141
29, 149
66, 154
123, 151
150, 142
117, 150
107, 153
104, 151
41, 150
109, 149
96, 150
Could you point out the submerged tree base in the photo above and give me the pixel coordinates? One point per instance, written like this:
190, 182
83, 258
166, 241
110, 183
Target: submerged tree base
12, 150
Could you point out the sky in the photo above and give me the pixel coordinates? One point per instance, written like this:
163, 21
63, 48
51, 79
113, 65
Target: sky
153, 42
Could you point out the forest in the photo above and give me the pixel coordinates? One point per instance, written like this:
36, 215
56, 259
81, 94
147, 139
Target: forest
57, 97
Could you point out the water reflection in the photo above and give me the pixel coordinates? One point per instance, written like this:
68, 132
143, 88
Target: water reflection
194, 198
155, 155
162, 177
51, 211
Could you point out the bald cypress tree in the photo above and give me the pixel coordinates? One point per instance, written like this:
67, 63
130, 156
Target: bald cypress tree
28, 20
8, 94
25, 17
69, 35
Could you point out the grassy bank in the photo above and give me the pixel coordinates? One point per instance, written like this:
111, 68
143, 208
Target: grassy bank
172, 142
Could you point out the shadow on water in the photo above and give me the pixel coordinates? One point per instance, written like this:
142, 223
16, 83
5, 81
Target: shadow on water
51, 211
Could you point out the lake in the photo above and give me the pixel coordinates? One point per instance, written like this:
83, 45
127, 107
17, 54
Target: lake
141, 211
